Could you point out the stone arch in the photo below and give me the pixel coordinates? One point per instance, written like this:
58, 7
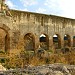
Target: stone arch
44, 41
73, 41
29, 42
4, 27
4, 38
57, 41
67, 40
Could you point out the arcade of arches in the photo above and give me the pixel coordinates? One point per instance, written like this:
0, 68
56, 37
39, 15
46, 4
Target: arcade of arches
29, 41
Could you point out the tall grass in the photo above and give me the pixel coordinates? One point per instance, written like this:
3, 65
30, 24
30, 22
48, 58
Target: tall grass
32, 59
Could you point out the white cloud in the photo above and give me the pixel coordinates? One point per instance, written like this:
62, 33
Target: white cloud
68, 8
10, 4
42, 35
41, 10
51, 3
28, 2
25, 9
62, 7
55, 36
53, 6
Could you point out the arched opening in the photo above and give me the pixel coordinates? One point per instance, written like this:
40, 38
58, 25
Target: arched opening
29, 42
57, 41
4, 40
67, 41
44, 41
73, 41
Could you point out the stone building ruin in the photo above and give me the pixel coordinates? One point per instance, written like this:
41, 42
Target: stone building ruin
28, 30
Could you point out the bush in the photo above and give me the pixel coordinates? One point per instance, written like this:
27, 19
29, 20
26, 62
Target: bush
2, 52
2, 60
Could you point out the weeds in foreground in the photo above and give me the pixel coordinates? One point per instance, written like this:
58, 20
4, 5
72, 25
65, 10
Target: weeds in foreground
30, 58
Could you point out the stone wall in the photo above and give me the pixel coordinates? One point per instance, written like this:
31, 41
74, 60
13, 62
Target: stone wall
22, 23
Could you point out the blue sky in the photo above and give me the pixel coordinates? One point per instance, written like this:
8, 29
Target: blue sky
63, 8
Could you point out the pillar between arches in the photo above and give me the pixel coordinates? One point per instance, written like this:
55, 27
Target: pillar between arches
50, 42
71, 41
37, 43
20, 44
62, 41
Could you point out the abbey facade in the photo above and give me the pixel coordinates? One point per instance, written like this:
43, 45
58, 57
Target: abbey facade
28, 30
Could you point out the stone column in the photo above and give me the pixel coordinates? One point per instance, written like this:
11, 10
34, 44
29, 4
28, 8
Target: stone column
14, 37
50, 42
9, 40
62, 41
20, 44
37, 43
71, 41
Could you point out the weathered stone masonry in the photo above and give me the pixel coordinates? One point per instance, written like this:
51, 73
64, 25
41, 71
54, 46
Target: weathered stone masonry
23, 29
